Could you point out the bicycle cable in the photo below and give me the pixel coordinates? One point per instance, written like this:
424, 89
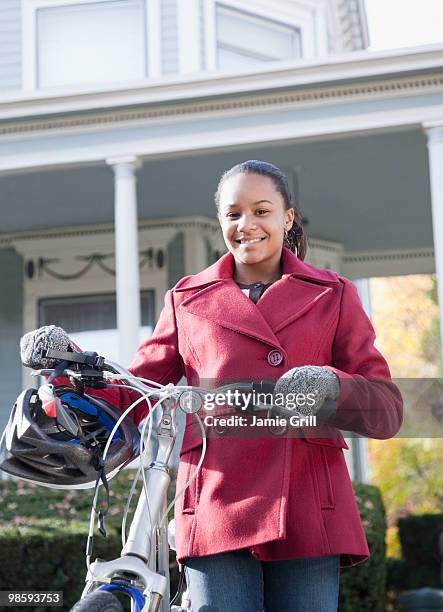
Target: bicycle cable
90, 539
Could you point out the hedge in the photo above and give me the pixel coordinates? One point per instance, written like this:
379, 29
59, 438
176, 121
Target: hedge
420, 564
43, 535
363, 587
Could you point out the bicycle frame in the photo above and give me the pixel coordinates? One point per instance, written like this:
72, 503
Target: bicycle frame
144, 561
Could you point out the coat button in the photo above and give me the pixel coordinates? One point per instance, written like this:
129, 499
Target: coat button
220, 430
275, 358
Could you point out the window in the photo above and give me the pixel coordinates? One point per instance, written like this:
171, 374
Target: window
81, 42
91, 321
246, 40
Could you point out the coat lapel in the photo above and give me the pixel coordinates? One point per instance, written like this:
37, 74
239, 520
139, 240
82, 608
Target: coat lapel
225, 304
288, 299
214, 295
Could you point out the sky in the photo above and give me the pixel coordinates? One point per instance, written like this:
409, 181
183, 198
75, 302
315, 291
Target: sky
404, 23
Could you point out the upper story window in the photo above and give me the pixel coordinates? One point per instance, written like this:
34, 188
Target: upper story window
81, 42
245, 40
90, 43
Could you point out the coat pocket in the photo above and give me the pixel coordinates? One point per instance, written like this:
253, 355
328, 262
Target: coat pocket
324, 435
339, 442
189, 457
320, 457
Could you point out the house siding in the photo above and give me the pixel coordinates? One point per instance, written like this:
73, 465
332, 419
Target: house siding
169, 37
10, 45
202, 29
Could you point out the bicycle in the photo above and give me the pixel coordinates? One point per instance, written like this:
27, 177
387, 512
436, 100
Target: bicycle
142, 570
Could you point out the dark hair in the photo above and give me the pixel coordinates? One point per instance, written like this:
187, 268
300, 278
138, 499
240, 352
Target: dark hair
296, 239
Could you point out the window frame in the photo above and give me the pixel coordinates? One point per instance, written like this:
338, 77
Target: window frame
302, 15
152, 42
252, 16
42, 301
145, 331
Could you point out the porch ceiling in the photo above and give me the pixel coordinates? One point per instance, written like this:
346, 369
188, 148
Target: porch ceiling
368, 192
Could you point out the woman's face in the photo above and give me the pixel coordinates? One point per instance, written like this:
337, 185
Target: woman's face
253, 218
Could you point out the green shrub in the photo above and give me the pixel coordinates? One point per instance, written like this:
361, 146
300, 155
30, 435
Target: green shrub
362, 588
49, 554
419, 536
420, 563
43, 535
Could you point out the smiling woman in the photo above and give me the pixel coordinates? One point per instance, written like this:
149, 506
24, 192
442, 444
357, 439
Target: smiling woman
261, 313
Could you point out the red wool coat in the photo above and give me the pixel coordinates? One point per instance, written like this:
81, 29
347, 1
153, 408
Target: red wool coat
282, 497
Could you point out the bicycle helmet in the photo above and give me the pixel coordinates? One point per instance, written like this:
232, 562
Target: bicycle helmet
65, 450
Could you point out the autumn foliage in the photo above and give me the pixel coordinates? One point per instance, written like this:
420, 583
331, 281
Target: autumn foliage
407, 470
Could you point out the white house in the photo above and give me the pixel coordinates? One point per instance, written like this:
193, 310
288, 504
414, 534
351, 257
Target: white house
120, 115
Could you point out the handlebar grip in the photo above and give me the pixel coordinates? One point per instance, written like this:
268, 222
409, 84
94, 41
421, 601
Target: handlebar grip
264, 386
328, 411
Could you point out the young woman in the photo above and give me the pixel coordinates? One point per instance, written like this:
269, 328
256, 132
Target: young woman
269, 520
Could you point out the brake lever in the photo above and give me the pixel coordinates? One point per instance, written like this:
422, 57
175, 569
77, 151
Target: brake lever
48, 371
86, 376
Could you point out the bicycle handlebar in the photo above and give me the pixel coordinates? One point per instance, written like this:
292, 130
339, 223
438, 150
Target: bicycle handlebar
191, 399
95, 370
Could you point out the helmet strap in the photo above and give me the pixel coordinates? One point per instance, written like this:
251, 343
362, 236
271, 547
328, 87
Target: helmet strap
58, 371
100, 512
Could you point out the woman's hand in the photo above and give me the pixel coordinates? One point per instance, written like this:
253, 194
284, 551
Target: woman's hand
316, 383
34, 344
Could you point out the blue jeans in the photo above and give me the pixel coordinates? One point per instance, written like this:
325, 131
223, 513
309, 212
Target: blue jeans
238, 582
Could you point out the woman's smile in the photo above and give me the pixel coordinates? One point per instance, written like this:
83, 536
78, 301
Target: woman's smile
249, 241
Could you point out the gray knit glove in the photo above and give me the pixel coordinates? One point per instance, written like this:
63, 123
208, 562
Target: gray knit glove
34, 344
316, 383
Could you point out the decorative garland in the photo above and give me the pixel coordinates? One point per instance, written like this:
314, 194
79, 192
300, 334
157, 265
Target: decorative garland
153, 258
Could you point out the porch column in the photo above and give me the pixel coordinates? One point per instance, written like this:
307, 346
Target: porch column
127, 280
435, 155
360, 445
